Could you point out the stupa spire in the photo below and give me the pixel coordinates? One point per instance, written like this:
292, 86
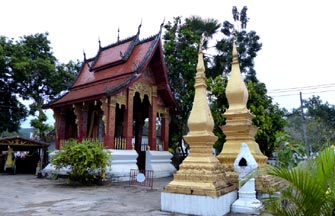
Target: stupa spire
200, 120
200, 173
239, 128
236, 90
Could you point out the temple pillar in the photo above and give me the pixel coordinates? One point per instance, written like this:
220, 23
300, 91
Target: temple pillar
139, 123
165, 131
82, 117
104, 108
60, 127
111, 123
152, 134
128, 119
101, 127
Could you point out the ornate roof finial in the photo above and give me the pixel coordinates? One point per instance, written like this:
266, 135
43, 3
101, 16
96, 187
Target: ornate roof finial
99, 43
139, 28
85, 60
118, 34
84, 55
161, 27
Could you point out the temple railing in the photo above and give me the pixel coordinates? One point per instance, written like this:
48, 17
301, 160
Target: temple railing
160, 147
63, 142
120, 143
97, 140
145, 147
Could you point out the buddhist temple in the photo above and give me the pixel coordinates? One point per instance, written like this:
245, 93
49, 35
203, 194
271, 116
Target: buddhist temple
118, 94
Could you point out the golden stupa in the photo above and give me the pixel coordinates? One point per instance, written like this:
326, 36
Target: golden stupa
239, 128
201, 172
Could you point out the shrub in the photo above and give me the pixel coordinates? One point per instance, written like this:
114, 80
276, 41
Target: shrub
87, 161
309, 188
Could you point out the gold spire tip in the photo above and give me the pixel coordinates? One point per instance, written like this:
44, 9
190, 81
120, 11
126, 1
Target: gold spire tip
202, 39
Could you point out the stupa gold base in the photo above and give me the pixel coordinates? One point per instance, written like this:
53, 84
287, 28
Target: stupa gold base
200, 176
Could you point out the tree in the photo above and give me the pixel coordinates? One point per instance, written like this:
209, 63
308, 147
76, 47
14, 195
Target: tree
268, 116
247, 43
218, 105
180, 50
38, 76
8, 134
12, 111
309, 187
288, 152
320, 122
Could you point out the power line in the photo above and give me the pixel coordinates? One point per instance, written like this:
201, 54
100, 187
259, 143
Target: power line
304, 88
297, 93
316, 89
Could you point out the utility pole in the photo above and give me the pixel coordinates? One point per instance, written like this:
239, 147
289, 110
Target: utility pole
308, 148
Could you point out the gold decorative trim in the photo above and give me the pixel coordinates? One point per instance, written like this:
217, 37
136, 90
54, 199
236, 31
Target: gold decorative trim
17, 141
77, 111
154, 91
84, 107
104, 103
162, 110
56, 116
120, 98
143, 89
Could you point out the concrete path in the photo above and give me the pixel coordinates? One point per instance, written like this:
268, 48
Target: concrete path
26, 195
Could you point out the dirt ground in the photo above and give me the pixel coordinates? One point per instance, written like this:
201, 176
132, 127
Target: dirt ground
26, 195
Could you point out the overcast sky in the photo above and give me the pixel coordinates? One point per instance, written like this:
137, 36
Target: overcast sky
297, 36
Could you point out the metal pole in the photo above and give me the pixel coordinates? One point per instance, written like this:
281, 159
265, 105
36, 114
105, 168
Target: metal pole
308, 148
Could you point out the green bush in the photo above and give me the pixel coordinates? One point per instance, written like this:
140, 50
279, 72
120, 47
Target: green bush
87, 161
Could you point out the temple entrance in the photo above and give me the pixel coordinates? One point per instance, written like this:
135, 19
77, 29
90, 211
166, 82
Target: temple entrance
140, 113
119, 119
119, 140
71, 131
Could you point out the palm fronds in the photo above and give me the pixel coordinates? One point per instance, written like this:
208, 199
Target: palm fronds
310, 187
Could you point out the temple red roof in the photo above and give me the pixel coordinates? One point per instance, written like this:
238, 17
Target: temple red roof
116, 67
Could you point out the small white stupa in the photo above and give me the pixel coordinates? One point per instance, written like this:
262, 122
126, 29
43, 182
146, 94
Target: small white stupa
244, 165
